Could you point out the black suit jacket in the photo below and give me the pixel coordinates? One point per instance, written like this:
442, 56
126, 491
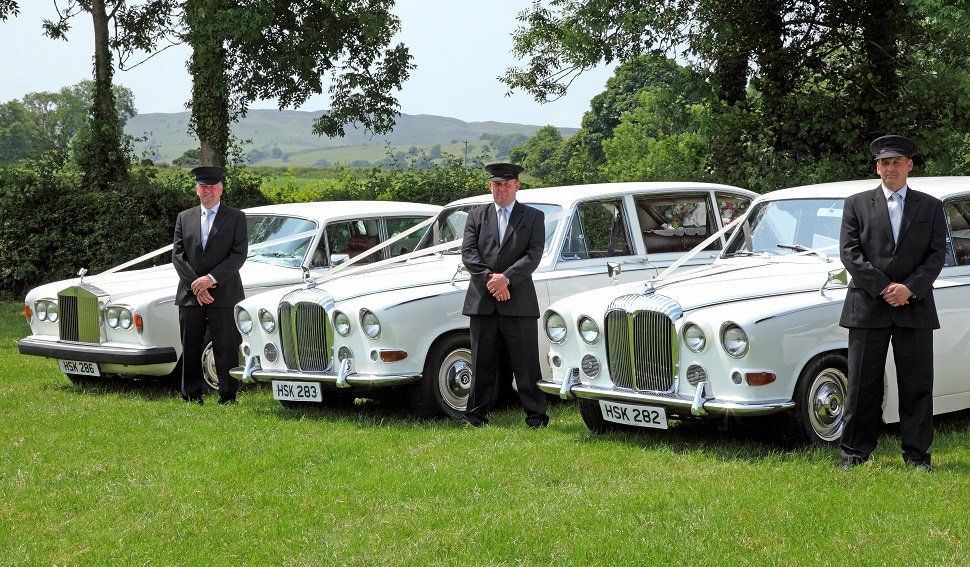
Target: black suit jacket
225, 252
874, 262
517, 257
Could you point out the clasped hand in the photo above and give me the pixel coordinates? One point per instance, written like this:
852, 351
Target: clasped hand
200, 287
498, 286
897, 295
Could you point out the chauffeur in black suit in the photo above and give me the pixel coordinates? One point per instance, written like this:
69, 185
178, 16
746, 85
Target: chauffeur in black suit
502, 245
210, 246
893, 244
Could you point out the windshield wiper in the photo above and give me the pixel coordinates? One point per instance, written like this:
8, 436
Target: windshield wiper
801, 248
744, 253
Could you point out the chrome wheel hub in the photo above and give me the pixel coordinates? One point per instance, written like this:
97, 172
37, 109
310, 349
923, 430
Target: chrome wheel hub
455, 378
209, 373
828, 394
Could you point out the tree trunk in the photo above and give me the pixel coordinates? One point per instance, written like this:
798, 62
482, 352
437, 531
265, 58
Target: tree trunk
881, 24
210, 84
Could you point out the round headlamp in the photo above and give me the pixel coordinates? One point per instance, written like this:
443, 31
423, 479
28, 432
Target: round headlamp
588, 329
41, 308
555, 327
244, 321
341, 323
694, 337
734, 340
51, 311
111, 316
370, 324
124, 319
267, 321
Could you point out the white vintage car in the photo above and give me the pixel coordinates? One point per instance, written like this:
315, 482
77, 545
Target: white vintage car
754, 333
402, 326
126, 322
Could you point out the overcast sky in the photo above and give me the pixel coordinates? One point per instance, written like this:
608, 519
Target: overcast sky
459, 47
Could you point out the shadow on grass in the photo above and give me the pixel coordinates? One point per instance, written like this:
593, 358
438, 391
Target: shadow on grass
146, 389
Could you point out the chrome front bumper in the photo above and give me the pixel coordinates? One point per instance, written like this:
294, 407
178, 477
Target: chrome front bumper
700, 405
343, 378
91, 352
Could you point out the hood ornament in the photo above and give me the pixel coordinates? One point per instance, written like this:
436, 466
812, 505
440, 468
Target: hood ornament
82, 272
307, 282
613, 270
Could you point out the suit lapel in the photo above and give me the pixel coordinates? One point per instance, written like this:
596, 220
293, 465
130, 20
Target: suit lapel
193, 232
910, 208
515, 217
881, 212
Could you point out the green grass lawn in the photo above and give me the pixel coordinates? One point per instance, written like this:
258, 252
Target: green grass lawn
132, 475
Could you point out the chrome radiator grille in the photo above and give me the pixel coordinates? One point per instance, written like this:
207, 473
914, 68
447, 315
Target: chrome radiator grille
305, 330
641, 342
79, 315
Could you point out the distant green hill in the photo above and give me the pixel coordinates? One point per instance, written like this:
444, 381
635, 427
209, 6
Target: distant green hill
286, 138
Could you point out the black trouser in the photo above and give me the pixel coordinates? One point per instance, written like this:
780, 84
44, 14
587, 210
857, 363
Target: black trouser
519, 336
913, 354
193, 322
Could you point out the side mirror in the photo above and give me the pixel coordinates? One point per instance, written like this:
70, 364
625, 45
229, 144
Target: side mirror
613, 269
338, 258
836, 278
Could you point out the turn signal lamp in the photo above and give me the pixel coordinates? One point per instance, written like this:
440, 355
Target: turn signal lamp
27, 312
139, 323
760, 378
393, 355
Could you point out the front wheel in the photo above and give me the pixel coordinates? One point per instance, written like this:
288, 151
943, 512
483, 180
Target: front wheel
820, 398
447, 379
209, 373
592, 416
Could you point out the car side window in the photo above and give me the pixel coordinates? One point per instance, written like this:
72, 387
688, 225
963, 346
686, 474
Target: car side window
958, 221
731, 206
353, 237
397, 225
675, 223
598, 229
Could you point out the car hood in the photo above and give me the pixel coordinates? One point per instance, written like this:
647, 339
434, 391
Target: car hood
418, 272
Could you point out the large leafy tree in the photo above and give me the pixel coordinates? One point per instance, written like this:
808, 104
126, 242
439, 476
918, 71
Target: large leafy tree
289, 50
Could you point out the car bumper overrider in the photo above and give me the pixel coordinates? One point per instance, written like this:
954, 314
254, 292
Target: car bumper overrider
91, 352
700, 405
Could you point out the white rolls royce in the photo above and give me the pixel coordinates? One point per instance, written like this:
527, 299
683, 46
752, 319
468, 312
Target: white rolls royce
755, 333
125, 323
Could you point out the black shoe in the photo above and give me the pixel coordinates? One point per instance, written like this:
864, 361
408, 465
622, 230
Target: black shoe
476, 421
227, 401
193, 400
921, 465
538, 422
849, 461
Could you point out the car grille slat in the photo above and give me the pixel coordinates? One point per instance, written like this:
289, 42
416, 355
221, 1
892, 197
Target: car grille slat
641, 343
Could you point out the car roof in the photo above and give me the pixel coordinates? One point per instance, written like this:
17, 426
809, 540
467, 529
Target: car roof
567, 194
330, 210
939, 187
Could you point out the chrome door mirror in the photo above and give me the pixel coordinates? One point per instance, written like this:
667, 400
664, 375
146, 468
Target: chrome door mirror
338, 258
836, 278
613, 269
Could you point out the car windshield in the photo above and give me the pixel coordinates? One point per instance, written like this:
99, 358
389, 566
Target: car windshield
450, 225
279, 240
793, 226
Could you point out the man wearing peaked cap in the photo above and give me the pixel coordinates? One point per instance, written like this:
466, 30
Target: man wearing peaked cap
210, 247
893, 243
501, 247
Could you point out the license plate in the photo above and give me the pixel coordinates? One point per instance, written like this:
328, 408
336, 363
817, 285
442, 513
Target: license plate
297, 391
639, 416
79, 367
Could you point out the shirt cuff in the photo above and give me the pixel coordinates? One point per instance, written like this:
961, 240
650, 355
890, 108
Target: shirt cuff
213, 278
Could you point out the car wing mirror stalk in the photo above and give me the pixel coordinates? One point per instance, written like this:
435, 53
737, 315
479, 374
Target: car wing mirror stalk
836, 279
613, 269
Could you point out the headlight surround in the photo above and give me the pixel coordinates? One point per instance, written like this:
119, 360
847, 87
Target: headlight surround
112, 316
734, 340
266, 321
588, 329
694, 338
555, 327
124, 319
341, 323
370, 324
244, 321
40, 308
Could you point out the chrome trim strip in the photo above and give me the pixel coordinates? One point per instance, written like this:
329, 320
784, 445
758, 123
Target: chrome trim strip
354, 380
711, 405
